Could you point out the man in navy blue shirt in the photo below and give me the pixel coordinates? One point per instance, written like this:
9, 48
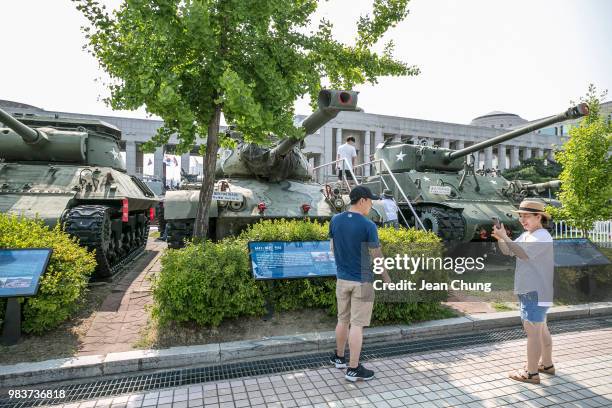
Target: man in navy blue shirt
354, 240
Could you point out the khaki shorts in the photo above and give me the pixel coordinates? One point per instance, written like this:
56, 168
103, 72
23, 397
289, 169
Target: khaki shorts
355, 302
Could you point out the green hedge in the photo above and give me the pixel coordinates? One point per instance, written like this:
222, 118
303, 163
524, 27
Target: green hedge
64, 283
209, 282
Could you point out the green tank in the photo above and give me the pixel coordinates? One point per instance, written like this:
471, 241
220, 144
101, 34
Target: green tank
254, 182
71, 171
436, 189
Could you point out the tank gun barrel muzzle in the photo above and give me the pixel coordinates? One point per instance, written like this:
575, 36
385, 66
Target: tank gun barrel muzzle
29, 135
331, 102
572, 113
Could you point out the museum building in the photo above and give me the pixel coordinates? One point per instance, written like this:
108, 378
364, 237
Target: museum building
369, 130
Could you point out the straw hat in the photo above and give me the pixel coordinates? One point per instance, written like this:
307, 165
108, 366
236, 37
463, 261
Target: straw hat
533, 207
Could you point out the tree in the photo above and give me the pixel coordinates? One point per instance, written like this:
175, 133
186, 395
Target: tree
535, 170
586, 188
189, 61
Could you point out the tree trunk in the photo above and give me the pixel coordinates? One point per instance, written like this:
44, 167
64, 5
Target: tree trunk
200, 228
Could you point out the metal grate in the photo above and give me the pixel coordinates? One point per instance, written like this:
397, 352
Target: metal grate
188, 376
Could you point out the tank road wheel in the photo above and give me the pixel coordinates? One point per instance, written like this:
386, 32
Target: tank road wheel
445, 222
91, 224
178, 231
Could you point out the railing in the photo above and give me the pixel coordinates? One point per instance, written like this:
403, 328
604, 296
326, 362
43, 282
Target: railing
600, 233
345, 166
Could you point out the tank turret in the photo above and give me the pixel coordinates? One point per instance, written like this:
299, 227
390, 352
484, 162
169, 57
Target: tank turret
70, 171
405, 157
60, 140
284, 160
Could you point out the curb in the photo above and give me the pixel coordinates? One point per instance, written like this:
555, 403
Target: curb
220, 353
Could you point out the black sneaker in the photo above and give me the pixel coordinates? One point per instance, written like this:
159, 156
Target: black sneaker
359, 373
340, 362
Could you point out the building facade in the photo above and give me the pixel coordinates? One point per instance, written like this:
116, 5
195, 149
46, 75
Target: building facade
369, 131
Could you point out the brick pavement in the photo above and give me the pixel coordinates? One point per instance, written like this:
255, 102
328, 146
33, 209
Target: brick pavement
471, 377
122, 315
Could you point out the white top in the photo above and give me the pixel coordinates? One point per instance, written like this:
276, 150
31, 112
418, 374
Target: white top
346, 151
536, 273
391, 209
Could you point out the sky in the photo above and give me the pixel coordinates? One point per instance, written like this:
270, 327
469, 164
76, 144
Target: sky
520, 56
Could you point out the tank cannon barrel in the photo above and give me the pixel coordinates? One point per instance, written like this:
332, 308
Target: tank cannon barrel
330, 102
572, 113
544, 186
28, 134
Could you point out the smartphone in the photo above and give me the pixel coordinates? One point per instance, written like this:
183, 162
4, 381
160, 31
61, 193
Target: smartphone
496, 222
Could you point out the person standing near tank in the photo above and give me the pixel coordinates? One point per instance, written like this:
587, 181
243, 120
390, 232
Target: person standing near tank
533, 284
354, 242
347, 153
391, 209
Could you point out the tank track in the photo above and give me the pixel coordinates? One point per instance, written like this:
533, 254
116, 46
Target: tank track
178, 231
447, 223
92, 225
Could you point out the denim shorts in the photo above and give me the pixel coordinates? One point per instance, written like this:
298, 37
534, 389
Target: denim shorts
530, 310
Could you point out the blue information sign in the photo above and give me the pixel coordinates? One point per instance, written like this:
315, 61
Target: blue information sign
287, 260
576, 252
21, 269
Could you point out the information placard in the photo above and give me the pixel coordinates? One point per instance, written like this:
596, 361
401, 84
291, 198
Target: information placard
21, 269
289, 260
575, 252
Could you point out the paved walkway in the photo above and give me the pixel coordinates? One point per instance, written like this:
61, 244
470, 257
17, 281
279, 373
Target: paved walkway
472, 377
122, 315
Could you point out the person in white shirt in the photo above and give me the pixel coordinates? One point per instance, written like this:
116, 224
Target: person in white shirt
347, 152
533, 283
391, 209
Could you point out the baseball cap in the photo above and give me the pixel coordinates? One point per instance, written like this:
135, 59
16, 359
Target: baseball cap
361, 192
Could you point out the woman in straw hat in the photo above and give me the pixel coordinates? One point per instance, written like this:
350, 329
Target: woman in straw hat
533, 283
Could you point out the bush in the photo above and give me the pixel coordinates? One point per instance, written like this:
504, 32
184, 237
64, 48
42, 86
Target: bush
209, 282
206, 283
64, 283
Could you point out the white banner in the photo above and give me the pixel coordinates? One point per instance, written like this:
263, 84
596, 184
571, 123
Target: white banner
446, 190
226, 196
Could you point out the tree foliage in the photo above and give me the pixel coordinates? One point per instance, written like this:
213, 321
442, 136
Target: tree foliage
189, 60
586, 188
535, 170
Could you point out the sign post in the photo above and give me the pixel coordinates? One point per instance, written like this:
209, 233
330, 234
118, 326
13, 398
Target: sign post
20, 272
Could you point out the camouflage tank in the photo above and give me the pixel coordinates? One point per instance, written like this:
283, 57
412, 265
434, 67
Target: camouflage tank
71, 171
443, 193
254, 182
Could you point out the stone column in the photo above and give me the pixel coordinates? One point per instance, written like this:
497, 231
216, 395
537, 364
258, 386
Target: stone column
326, 133
185, 162
368, 150
514, 156
550, 154
460, 144
130, 157
158, 164
539, 152
445, 143
501, 157
488, 152
527, 153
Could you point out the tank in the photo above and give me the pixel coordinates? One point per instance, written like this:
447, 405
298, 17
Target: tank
255, 182
437, 189
71, 171
518, 190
